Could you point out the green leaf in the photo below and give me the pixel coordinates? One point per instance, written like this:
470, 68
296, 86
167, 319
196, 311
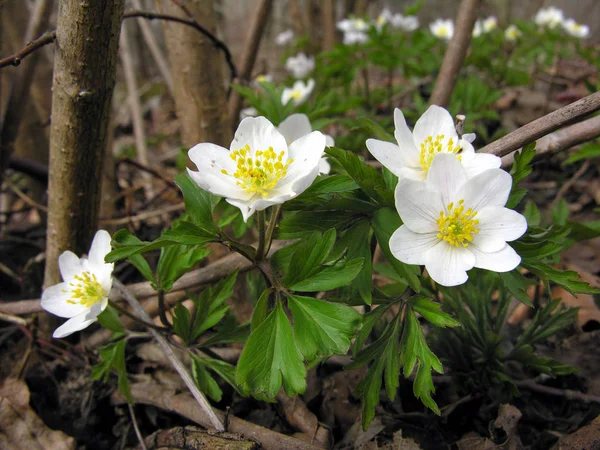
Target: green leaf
413, 350
372, 128
322, 190
568, 279
532, 214
112, 356
308, 257
385, 221
366, 176
237, 335
369, 320
176, 260
221, 368
521, 168
197, 203
560, 212
587, 151
205, 382
182, 323
330, 277
299, 224
517, 284
260, 310
109, 319
386, 363
357, 241
270, 359
431, 311
322, 329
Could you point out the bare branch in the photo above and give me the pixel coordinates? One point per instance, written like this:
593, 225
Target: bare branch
15, 60
544, 125
455, 53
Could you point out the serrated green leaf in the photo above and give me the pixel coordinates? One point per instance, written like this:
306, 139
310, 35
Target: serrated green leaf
303, 222
532, 214
260, 310
369, 321
270, 359
205, 382
587, 151
357, 241
568, 279
372, 128
109, 319
176, 260
330, 277
431, 311
308, 257
223, 369
517, 284
560, 212
182, 323
237, 335
385, 221
198, 203
321, 328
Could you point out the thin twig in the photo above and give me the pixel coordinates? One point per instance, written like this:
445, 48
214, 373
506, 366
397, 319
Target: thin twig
136, 318
23, 196
177, 364
566, 393
567, 185
136, 427
151, 171
144, 215
455, 53
544, 125
15, 60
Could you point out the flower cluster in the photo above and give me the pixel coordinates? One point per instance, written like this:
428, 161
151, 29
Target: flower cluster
300, 65
485, 26
450, 199
553, 18
355, 28
285, 37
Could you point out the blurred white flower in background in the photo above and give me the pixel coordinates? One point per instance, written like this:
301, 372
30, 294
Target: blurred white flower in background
550, 17
576, 29
260, 169
285, 37
405, 23
477, 29
298, 125
383, 19
355, 37
248, 112
442, 28
489, 24
83, 294
512, 33
300, 65
298, 93
352, 24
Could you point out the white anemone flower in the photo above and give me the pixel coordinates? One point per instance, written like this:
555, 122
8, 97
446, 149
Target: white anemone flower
83, 294
550, 17
489, 24
434, 133
575, 29
296, 126
353, 24
383, 19
259, 170
512, 33
355, 37
298, 93
285, 37
300, 65
477, 29
453, 223
442, 28
405, 23
250, 111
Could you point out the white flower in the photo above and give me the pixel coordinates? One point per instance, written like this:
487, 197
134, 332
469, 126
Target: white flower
264, 78
353, 24
284, 37
489, 24
442, 28
83, 294
434, 133
298, 93
300, 65
477, 29
296, 126
355, 37
453, 223
250, 111
405, 23
260, 169
576, 29
550, 17
512, 33
384, 18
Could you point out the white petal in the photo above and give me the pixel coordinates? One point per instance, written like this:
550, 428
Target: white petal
404, 136
294, 127
329, 141
324, 166
448, 265
489, 188
391, 156
411, 248
286, 95
498, 225
476, 163
244, 207
504, 260
259, 134
418, 206
435, 121
80, 322
306, 153
413, 174
100, 247
69, 265
469, 137
446, 175
54, 300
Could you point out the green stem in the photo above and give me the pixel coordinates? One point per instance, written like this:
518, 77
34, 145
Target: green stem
261, 222
135, 318
272, 224
162, 309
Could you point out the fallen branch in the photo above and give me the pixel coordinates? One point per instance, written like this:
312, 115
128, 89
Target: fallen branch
555, 392
455, 53
214, 421
184, 405
544, 125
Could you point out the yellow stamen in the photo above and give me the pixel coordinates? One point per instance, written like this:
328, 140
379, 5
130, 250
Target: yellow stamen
430, 147
85, 290
457, 226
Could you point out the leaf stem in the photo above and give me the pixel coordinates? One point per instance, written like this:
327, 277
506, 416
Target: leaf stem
272, 224
162, 309
261, 222
135, 318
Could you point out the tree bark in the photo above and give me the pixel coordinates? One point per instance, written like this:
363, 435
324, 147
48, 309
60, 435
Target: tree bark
249, 53
197, 69
87, 39
328, 24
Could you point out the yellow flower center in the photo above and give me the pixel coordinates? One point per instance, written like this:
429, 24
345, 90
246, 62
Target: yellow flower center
458, 226
443, 31
296, 95
85, 290
431, 147
258, 175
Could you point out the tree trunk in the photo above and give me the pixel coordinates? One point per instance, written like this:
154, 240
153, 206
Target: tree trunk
328, 24
197, 69
87, 39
